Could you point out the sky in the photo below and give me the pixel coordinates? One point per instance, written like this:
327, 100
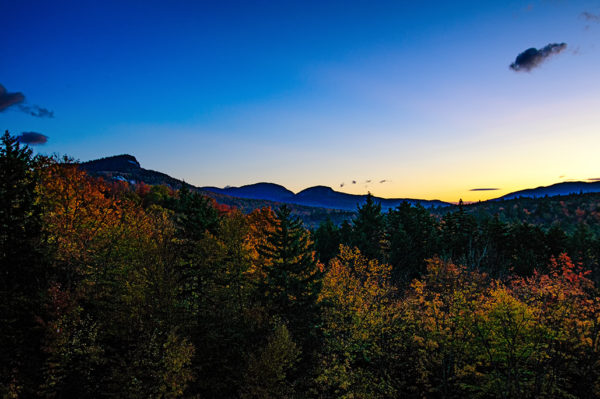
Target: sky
405, 99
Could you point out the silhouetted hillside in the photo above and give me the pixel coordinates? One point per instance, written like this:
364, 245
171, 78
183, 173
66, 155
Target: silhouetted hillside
127, 168
565, 188
319, 196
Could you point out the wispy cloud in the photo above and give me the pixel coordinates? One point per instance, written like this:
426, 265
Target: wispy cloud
532, 57
37, 111
594, 179
588, 16
484, 189
32, 138
8, 100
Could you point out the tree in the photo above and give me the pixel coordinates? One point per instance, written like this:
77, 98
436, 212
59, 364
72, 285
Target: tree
22, 276
413, 236
369, 229
195, 214
327, 241
292, 281
358, 328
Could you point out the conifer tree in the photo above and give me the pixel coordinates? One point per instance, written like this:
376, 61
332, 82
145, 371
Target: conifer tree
292, 277
21, 275
369, 230
327, 241
289, 291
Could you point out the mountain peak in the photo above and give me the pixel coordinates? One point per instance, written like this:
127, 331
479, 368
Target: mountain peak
316, 190
267, 191
121, 162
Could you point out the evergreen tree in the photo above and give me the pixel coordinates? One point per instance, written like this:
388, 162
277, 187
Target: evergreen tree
195, 214
369, 230
293, 279
327, 241
22, 281
291, 286
413, 236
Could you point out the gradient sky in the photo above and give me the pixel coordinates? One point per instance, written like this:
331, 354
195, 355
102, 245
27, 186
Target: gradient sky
304, 93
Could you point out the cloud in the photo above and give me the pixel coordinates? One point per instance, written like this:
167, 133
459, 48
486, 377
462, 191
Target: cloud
532, 57
341, 184
594, 179
561, 176
588, 16
382, 181
353, 181
32, 138
368, 181
484, 189
9, 99
34, 110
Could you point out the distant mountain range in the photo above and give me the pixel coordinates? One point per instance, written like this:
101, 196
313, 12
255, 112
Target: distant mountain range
566, 188
319, 196
252, 196
126, 167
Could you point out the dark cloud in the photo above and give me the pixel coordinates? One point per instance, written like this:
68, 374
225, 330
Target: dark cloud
532, 58
594, 179
484, 189
8, 99
353, 181
588, 16
32, 138
382, 181
34, 110
342, 185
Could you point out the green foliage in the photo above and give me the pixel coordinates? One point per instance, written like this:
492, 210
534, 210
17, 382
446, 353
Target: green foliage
22, 273
368, 229
327, 241
292, 276
266, 376
413, 237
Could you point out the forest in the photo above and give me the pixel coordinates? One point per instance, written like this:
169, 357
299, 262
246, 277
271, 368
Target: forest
110, 289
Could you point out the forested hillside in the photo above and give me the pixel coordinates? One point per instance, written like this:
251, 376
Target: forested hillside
567, 212
113, 289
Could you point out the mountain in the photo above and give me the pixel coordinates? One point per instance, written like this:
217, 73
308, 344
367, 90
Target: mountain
127, 168
318, 196
565, 188
265, 191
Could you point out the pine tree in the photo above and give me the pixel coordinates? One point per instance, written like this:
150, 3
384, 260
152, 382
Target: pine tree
327, 241
369, 230
21, 276
292, 277
194, 214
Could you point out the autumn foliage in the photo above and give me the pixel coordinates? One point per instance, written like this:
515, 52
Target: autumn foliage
118, 290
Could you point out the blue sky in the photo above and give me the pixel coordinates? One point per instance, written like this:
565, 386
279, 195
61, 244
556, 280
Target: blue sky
301, 93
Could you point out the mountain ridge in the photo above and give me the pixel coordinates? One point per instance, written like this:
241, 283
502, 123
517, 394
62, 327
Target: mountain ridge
562, 188
127, 167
